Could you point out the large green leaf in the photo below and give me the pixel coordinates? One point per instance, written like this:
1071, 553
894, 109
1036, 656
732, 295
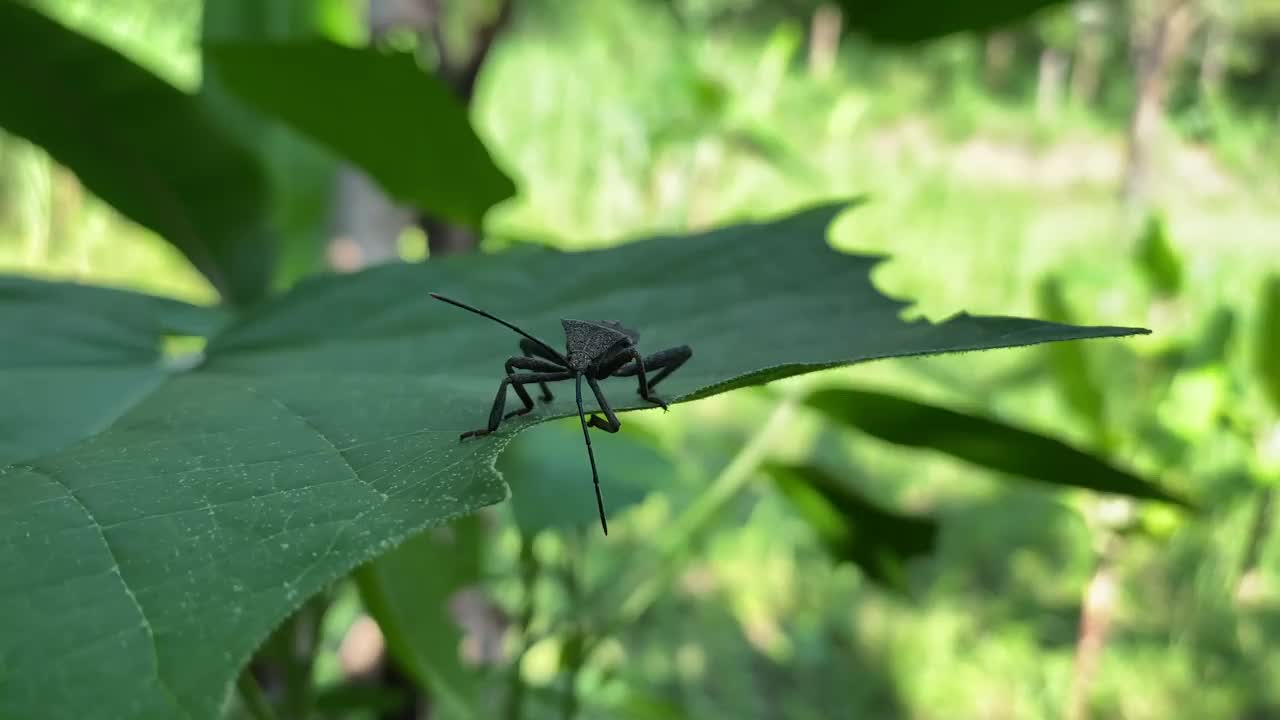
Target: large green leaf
851, 527
140, 144
73, 359
145, 563
378, 110
908, 21
981, 441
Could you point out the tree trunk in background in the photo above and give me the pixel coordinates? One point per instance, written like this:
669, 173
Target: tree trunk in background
1161, 45
370, 224
367, 223
824, 40
1095, 625
1090, 51
461, 73
1213, 65
999, 50
1053, 70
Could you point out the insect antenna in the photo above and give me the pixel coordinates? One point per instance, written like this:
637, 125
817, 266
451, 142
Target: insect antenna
554, 353
595, 476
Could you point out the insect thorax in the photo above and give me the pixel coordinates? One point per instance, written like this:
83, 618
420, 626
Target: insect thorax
588, 340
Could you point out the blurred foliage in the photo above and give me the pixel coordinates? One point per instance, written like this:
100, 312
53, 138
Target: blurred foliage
1157, 259
854, 530
982, 441
917, 20
302, 175
366, 97
413, 592
1267, 346
150, 150
544, 467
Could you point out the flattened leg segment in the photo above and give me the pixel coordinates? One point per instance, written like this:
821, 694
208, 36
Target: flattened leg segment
609, 423
664, 361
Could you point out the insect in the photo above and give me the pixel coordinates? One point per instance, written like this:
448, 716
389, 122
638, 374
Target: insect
595, 350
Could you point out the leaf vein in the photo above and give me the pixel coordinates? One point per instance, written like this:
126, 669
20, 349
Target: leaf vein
319, 433
124, 583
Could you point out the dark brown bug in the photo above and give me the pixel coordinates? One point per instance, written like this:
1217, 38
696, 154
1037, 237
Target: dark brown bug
595, 350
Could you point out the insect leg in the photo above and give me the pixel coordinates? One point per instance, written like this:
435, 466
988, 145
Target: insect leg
665, 361
595, 476
535, 364
610, 424
527, 363
611, 361
637, 367
516, 380
534, 350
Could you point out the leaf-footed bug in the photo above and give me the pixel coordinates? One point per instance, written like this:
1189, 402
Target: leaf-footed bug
596, 349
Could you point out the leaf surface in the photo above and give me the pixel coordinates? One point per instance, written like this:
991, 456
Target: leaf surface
146, 562
74, 358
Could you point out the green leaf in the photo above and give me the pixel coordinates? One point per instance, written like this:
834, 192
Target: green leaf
1157, 259
1267, 342
75, 358
283, 20
981, 441
303, 176
378, 110
852, 528
142, 145
321, 429
551, 481
910, 21
1070, 364
409, 591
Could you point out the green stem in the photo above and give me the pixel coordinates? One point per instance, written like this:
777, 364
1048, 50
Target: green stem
528, 581
576, 644
569, 701
1258, 528
255, 702
303, 664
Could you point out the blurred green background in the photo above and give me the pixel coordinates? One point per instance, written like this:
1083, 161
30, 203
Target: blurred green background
1001, 173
